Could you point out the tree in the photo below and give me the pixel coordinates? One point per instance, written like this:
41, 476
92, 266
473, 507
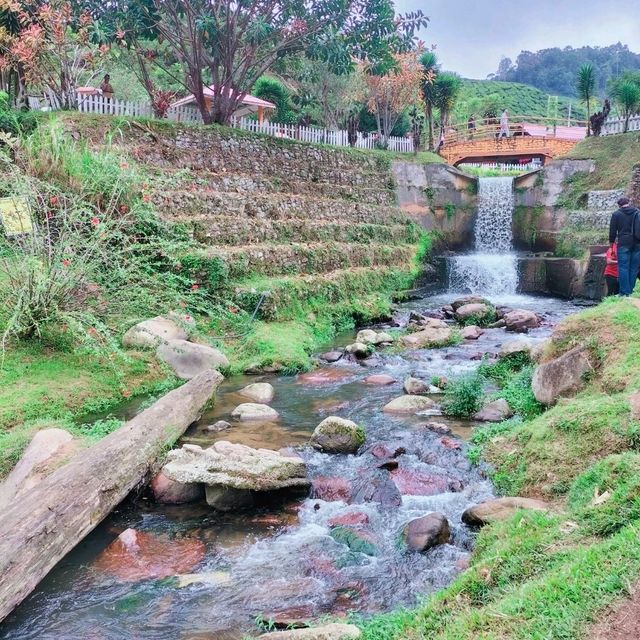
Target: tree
52, 49
429, 62
389, 94
585, 85
447, 87
627, 96
233, 43
273, 90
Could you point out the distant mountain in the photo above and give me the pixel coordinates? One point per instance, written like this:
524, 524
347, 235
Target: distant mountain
554, 70
481, 96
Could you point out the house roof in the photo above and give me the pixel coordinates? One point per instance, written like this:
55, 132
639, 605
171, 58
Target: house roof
250, 102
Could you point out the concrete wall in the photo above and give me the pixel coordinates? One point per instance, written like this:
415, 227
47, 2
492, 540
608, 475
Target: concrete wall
441, 198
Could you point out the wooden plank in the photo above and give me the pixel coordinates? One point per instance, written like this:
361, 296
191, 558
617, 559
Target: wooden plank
53, 517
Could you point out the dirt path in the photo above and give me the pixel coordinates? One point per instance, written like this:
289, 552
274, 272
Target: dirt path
621, 621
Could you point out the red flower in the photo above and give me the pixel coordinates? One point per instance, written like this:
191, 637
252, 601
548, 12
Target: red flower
126, 393
53, 201
66, 262
124, 208
95, 222
146, 198
195, 287
50, 214
233, 309
187, 318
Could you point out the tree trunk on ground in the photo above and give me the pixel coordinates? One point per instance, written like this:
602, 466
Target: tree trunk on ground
52, 518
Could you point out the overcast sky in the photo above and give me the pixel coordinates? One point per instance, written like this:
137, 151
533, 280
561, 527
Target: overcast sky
471, 37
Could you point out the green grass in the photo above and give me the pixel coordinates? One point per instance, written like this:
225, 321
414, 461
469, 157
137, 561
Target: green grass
614, 158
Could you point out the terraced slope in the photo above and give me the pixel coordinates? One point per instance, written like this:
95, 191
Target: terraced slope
278, 215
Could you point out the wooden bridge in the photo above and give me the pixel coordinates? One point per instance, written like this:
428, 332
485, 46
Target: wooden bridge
527, 141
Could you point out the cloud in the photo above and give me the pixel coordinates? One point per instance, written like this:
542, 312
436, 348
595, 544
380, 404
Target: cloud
472, 37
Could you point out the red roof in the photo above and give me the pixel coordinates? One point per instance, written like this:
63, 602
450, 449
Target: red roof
248, 101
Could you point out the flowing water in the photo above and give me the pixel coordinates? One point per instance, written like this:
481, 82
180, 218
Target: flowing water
492, 269
279, 560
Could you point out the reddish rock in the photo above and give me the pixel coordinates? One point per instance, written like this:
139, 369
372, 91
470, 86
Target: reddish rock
325, 376
379, 380
450, 444
429, 531
135, 555
438, 427
329, 405
415, 483
332, 356
331, 489
463, 563
354, 519
381, 452
377, 487
167, 491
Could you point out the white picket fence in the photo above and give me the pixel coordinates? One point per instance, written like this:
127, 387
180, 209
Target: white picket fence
339, 138
616, 125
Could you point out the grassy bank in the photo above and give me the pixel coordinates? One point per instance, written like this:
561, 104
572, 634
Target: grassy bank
614, 158
550, 576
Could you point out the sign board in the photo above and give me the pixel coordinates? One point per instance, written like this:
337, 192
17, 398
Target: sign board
15, 216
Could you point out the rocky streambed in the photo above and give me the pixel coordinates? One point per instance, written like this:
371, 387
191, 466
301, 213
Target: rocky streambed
362, 515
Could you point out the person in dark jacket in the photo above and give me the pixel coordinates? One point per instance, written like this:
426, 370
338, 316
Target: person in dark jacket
621, 231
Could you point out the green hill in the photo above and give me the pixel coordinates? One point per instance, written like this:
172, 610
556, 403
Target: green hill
480, 96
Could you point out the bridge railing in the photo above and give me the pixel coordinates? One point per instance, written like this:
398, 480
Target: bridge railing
519, 125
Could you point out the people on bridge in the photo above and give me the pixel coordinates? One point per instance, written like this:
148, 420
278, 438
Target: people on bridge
624, 229
611, 271
504, 125
471, 126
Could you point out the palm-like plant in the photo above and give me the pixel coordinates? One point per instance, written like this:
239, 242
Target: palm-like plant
447, 89
429, 62
627, 95
586, 85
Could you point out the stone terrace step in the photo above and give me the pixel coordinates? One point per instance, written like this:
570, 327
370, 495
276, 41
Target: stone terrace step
230, 230
299, 258
207, 181
198, 205
339, 286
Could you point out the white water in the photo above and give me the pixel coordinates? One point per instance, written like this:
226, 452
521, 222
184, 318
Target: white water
492, 269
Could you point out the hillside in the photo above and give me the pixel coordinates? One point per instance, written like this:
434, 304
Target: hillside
519, 99
554, 70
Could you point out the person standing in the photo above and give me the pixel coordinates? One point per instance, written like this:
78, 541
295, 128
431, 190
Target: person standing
621, 230
471, 126
611, 271
106, 88
504, 125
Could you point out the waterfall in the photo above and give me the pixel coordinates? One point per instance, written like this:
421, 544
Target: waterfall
492, 268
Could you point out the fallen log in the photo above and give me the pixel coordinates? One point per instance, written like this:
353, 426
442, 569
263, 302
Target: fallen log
49, 520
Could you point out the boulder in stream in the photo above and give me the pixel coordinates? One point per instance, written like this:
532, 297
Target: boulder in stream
326, 632
337, 435
416, 387
252, 411
375, 338
229, 471
259, 392
521, 346
168, 491
408, 405
465, 300
150, 333
477, 311
472, 332
380, 380
359, 350
188, 359
429, 531
495, 411
562, 376
427, 338
521, 320
500, 509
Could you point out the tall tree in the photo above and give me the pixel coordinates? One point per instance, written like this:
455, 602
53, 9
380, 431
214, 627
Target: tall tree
429, 62
447, 87
627, 97
586, 85
234, 42
389, 94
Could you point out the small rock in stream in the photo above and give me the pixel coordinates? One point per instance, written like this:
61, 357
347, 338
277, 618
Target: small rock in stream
423, 533
220, 425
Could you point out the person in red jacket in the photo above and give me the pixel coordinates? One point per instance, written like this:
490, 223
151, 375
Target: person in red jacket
611, 271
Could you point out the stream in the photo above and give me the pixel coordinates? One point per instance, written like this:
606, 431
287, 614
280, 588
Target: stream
279, 561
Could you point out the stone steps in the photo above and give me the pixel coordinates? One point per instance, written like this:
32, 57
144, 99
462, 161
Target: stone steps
341, 286
204, 181
307, 258
192, 206
230, 230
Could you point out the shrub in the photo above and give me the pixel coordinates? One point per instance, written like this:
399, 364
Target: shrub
463, 397
607, 496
